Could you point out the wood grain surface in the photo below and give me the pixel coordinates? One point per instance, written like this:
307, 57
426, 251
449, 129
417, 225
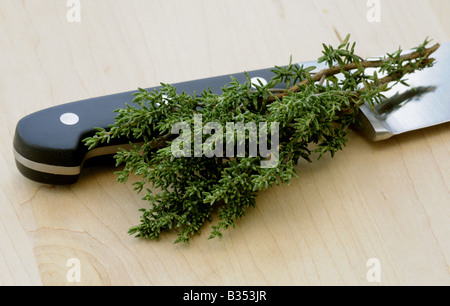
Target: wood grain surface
387, 200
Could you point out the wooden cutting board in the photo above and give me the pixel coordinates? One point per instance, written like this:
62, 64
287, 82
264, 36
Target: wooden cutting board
376, 209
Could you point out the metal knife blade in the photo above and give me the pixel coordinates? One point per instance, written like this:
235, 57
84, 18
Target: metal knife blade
426, 102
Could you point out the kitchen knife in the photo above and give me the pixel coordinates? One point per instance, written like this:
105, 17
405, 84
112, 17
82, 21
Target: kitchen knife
48, 144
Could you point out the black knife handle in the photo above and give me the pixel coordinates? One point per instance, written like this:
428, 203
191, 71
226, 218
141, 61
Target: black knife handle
48, 144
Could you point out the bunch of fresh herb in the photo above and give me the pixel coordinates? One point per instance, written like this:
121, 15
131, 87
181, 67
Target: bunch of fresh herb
313, 112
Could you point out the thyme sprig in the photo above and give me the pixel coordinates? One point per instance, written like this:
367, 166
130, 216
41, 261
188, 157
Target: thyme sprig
313, 110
